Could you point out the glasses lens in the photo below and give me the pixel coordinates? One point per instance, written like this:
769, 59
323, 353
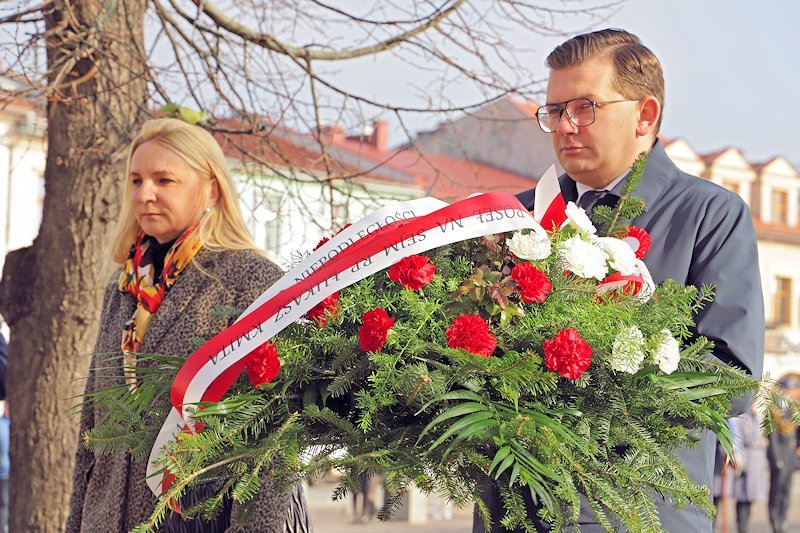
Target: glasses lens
581, 111
548, 116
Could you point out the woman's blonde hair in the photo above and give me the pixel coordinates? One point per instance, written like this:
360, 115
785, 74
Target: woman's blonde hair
222, 228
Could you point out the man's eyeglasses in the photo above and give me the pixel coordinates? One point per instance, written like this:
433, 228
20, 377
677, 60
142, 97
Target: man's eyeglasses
580, 111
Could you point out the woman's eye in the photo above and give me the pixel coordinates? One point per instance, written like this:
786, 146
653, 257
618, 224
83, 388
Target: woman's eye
136, 181
166, 180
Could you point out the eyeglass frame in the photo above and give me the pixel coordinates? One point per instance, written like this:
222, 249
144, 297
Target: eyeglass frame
563, 107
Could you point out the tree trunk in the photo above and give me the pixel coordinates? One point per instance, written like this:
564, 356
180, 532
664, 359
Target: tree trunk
51, 292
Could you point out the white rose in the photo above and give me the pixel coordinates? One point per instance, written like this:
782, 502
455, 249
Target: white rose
532, 247
583, 258
668, 353
620, 256
627, 352
578, 219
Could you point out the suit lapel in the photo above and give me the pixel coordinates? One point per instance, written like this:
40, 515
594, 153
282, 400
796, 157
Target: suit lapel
659, 171
568, 188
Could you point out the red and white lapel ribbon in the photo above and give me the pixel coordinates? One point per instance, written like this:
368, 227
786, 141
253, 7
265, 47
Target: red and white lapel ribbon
368, 246
548, 203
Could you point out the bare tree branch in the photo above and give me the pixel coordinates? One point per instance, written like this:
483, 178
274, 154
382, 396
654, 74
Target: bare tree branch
270, 42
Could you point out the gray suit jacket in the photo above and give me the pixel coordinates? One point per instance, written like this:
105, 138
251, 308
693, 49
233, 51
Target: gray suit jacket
701, 234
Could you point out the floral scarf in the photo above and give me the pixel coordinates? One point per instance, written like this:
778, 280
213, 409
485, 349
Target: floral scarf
137, 278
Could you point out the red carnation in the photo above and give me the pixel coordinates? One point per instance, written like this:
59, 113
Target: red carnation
329, 304
412, 272
471, 333
642, 238
374, 330
263, 364
567, 354
533, 283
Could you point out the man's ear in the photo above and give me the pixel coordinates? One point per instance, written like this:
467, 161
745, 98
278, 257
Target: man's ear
649, 113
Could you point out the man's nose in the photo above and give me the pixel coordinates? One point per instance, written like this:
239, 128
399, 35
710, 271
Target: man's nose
565, 125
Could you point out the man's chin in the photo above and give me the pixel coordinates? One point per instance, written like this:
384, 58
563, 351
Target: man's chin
574, 167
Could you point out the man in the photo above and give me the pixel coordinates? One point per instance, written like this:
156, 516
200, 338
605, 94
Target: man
605, 95
782, 458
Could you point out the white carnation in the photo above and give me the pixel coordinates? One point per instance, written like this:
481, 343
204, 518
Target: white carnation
668, 353
620, 256
583, 258
627, 352
532, 247
578, 219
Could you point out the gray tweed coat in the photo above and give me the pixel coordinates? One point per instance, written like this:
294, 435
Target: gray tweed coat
109, 492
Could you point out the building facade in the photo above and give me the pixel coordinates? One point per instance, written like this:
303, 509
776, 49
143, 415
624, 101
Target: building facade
293, 205
772, 190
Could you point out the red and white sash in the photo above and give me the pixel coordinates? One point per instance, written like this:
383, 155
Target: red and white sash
368, 246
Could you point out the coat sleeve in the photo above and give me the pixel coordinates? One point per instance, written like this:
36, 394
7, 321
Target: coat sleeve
84, 458
272, 509
726, 256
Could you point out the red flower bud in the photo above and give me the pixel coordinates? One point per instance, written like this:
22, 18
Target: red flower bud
471, 333
567, 354
329, 304
533, 283
263, 364
374, 330
412, 272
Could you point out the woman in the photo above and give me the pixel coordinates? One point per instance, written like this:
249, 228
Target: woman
184, 249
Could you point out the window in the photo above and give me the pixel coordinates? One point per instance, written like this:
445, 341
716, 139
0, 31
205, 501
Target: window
780, 207
782, 310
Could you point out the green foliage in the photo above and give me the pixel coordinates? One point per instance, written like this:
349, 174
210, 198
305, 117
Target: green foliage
613, 222
450, 421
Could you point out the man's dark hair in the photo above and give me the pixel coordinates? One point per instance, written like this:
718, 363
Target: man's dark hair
638, 70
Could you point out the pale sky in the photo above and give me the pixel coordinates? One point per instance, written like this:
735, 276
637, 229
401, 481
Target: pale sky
731, 68
732, 71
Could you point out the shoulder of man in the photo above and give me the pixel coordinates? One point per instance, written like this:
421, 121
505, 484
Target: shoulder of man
664, 182
717, 202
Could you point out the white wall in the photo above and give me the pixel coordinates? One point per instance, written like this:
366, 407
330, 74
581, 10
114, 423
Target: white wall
22, 160
289, 217
685, 158
781, 260
780, 175
732, 167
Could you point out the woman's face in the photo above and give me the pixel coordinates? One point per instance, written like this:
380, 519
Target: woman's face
168, 195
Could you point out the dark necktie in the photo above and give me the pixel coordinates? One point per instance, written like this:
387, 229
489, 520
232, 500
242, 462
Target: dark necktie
590, 198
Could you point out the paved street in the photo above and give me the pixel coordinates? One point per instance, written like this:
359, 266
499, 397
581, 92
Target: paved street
336, 517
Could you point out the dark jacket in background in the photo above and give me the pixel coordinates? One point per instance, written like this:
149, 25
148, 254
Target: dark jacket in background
3, 365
